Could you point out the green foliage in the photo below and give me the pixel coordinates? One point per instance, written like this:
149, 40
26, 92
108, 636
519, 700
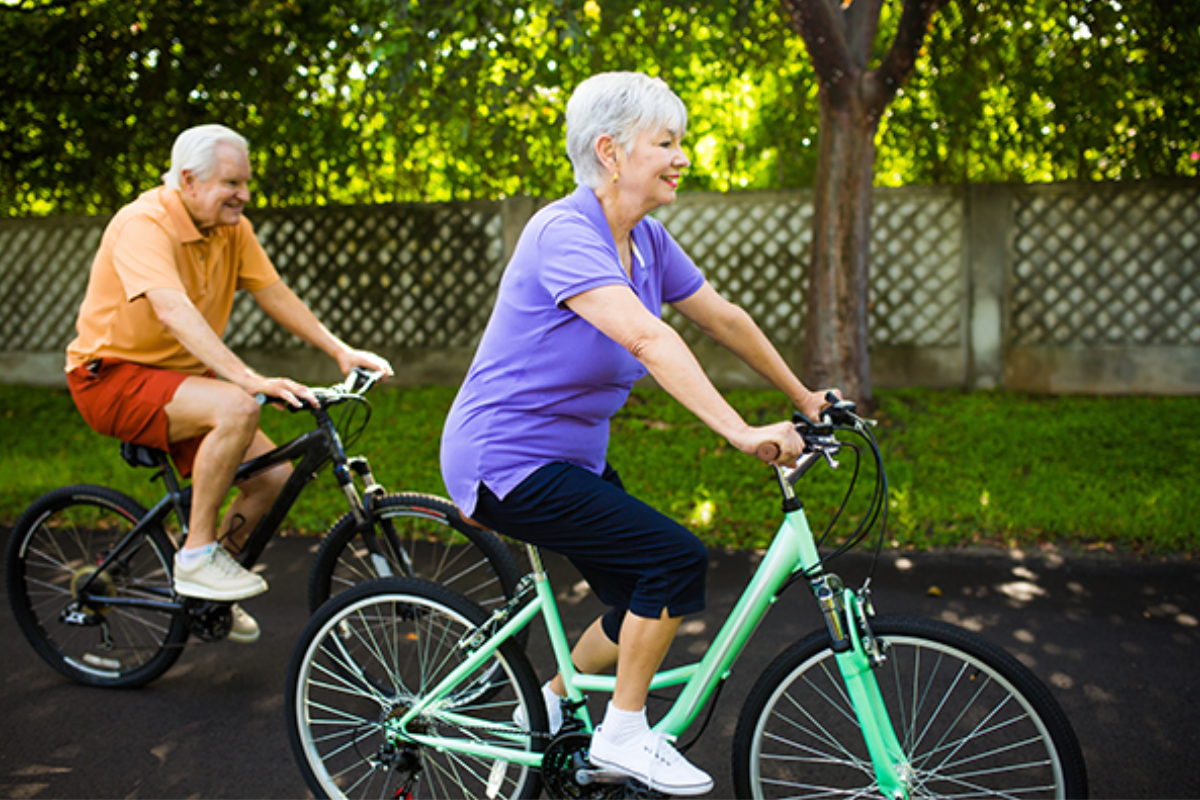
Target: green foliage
982, 468
362, 101
1042, 91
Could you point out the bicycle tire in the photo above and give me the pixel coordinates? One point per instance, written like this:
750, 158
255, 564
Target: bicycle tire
440, 545
365, 656
972, 720
59, 539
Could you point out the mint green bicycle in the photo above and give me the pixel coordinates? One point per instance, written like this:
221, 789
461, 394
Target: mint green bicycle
403, 688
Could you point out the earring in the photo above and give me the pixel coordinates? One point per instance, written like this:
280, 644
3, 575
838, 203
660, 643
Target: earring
616, 176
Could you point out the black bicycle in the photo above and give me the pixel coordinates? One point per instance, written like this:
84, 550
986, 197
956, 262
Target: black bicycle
90, 569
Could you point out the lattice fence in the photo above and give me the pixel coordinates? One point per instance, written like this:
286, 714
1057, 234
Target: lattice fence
1102, 266
917, 260
383, 276
754, 248
43, 275
751, 248
1089, 267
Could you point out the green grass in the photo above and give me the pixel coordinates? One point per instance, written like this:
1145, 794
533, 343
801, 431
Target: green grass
981, 468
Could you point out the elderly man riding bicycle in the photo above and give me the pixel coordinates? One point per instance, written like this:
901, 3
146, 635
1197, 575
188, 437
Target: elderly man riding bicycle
148, 364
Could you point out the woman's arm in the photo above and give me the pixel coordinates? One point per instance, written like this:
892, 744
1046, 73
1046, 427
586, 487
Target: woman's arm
730, 326
619, 314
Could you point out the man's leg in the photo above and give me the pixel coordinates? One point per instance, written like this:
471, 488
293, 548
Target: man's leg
255, 497
227, 418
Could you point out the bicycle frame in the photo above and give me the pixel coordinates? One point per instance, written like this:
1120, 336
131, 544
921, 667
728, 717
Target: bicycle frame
792, 552
314, 449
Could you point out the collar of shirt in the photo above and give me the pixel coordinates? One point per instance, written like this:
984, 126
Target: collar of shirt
180, 218
584, 199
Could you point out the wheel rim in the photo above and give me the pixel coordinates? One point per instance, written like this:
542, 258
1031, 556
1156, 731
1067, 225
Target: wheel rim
63, 549
964, 728
435, 551
360, 673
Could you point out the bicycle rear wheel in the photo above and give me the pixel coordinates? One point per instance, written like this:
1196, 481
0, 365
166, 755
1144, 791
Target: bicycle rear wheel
57, 545
370, 654
972, 720
418, 536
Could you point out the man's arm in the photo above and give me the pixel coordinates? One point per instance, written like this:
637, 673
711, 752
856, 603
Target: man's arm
179, 315
282, 305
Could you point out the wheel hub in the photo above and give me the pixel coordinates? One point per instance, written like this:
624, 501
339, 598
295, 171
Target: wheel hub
102, 585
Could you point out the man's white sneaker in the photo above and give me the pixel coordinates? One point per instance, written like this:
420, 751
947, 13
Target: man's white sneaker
653, 760
245, 628
217, 577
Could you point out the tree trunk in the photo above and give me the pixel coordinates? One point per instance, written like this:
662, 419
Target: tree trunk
836, 341
839, 35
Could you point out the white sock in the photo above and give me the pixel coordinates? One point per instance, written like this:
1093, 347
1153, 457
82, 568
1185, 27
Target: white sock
553, 707
621, 727
191, 556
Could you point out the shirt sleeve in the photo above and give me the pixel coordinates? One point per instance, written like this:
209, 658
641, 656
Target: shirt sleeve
255, 270
681, 278
144, 258
573, 259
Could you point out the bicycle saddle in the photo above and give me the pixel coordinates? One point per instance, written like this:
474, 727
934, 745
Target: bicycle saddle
138, 455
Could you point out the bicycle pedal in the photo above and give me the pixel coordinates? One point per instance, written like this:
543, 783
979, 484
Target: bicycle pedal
591, 776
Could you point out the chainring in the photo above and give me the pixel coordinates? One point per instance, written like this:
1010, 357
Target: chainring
561, 762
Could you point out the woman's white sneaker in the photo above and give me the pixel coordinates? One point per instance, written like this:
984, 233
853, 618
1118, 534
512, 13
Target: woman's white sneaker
653, 760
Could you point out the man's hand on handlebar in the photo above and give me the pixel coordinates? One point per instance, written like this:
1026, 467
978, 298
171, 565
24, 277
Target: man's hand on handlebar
363, 359
283, 390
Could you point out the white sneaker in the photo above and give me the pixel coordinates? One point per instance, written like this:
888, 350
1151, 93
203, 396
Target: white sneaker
653, 760
553, 711
217, 577
245, 628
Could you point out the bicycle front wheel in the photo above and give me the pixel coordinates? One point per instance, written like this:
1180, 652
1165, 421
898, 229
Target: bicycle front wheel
418, 536
373, 652
971, 719
55, 549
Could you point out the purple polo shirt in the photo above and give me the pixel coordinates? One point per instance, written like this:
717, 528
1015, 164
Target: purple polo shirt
545, 381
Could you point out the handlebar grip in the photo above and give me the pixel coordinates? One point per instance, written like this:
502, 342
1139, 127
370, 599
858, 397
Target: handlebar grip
262, 398
768, 452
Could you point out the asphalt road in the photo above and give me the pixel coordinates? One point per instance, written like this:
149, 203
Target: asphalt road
1118, 642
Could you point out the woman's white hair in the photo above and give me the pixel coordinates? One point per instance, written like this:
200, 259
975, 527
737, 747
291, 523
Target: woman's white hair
622, 105
196, 151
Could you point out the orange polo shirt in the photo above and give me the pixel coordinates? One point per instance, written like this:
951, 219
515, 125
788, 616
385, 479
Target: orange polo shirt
152, 243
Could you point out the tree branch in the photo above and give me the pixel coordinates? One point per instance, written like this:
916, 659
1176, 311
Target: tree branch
819, 24
886, 79
862, 20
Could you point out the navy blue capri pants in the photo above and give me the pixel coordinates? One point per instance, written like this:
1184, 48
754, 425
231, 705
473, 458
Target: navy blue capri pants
634, 557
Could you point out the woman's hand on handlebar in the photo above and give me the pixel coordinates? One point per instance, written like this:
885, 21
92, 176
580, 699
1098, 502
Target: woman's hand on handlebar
815, 403
777, 444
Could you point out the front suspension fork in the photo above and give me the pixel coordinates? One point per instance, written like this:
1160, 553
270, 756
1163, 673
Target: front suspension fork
859, 653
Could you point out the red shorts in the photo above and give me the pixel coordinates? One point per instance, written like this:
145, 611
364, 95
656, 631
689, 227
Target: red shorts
126, 401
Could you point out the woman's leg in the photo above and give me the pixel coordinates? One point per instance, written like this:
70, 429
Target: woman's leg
644, 645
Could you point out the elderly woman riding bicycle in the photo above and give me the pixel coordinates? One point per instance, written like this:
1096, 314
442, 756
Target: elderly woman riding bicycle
577, 321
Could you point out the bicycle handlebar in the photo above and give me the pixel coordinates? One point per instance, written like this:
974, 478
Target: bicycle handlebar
357, 383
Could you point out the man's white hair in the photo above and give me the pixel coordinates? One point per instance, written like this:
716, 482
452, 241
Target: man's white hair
196, 151
622, 105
